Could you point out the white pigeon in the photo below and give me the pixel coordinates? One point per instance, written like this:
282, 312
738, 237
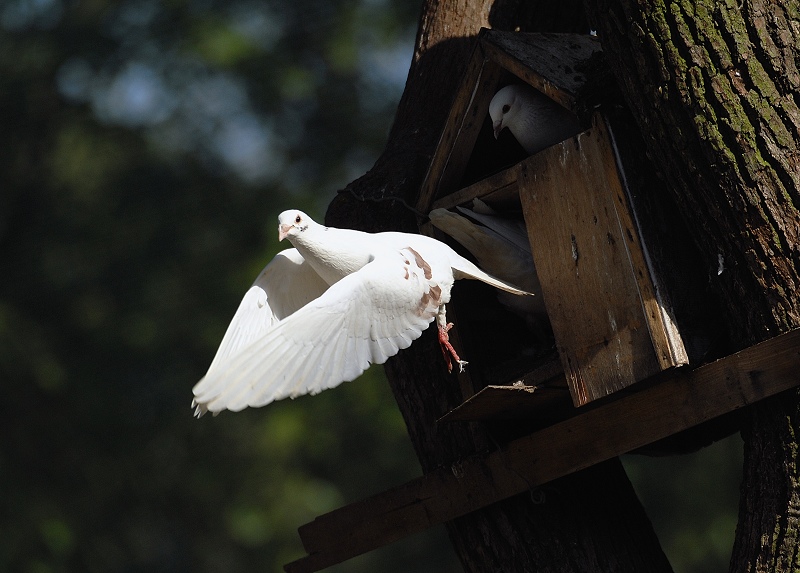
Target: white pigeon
501, 247
534, 120
321, 313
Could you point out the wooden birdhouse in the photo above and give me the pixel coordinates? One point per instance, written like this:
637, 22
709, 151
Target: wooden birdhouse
609, 310
615, 285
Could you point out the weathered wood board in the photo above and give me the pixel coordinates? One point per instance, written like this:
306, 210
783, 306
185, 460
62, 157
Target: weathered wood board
552, 63
467, 115
497, 188
679, 399
508, 403
610, 327
541, 393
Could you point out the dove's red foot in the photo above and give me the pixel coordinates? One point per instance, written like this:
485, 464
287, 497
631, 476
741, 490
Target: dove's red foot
448, 350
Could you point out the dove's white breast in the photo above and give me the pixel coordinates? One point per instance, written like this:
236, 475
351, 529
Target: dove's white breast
335, 253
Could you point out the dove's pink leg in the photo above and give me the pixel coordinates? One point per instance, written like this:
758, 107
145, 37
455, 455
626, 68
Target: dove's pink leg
447, 348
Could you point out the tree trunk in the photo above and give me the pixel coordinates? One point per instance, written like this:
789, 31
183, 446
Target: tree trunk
591, 521
713, 86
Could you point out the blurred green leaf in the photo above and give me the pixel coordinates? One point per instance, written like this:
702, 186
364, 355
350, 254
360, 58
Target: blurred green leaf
219, 44
57, 535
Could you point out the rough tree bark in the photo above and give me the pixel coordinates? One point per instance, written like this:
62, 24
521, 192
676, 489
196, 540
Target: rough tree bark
713, 86
589, 522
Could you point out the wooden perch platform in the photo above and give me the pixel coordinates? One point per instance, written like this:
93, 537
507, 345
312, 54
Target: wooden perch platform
541, 396
669, 403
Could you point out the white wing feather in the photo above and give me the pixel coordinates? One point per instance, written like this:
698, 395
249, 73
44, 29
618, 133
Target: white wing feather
363, 319
286, 284
290, 283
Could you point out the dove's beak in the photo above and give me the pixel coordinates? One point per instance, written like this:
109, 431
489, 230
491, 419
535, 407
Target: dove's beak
283, 231
497, 126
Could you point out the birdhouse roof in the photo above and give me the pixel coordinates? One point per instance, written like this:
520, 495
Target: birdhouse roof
565, 67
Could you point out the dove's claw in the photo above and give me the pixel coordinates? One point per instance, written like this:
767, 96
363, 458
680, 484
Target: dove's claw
448, 350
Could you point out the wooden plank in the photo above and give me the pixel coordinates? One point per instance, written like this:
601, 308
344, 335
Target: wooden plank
664, 333
509, 403
678, 400
555, 64
543, 389
592, 269
499, 184
678, 273
461, 128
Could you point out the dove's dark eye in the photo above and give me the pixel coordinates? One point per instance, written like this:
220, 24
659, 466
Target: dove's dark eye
506, 108
298, 219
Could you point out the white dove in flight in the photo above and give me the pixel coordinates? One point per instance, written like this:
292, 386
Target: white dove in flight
319, 314
534, 120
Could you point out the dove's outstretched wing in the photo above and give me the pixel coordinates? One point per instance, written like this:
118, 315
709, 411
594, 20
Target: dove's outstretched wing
285, 285
363, 319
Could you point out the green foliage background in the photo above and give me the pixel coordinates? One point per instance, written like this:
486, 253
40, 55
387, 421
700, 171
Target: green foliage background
146, 148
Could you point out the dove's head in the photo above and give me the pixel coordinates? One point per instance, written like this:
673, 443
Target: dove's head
291, 223
505, 107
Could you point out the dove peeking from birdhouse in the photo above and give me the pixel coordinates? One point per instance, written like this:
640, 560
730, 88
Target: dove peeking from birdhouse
501, 246
534, 120
319, 314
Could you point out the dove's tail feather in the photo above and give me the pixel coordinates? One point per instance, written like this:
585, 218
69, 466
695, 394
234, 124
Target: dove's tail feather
465, 269
475, 241
506, 229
